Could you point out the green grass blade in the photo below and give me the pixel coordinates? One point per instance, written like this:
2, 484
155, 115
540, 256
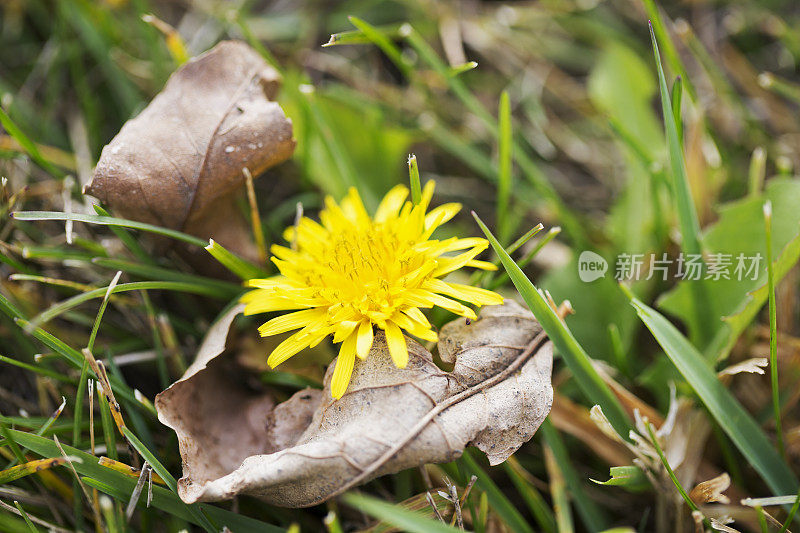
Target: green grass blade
429, 56
121, 486
28, 145
755, 175
785, 88
464, 67
234, 263
413, 176
51, 281
108, 425
11, 442
336, 151
359, 37
486, 277
571, 351
673, 58
737, 423
168, 502
332, 522
654, 441
11, 524
55, 253
14, 264
687, 216
148, 456
52, 419
726, 337
591, 515
773, 330
525, 237
392, 514
45, 427
618, 349
533, 499
379, 39
165, 474
155, 273
125, 237
101, 311
498, 501
52, 374
504, 154
110, 516
179, 286
73, 356
551, 234
158, 345
77, 414
109, 221
630, 477
76, 359
682, 195
24, 515
558, 493
676, 96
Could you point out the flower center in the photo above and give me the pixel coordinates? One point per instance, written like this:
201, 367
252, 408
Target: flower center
366, 269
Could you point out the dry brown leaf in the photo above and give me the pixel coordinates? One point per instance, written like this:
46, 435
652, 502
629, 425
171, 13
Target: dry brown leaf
711, 490
220, 429
179, 163
311, 447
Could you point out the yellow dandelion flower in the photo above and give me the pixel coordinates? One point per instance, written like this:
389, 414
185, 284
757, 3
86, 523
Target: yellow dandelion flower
349, 273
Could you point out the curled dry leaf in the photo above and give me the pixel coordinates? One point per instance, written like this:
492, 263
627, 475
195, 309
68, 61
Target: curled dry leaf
179, 163
210, 397
311, 447
712, 490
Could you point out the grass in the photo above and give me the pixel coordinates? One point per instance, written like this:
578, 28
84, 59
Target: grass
536, 117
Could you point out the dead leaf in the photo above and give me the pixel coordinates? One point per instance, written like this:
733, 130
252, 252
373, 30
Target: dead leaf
312, 448
756, 365
218, 430
179, 163
711, 490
